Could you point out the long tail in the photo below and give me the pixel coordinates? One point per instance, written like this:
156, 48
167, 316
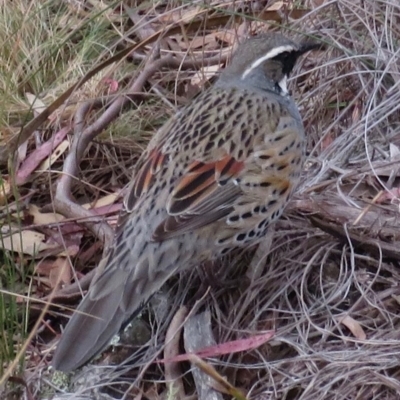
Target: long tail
117, 294
114, 298
90, 330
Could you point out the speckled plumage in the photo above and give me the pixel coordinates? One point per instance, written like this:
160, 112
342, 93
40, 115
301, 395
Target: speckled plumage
214, 177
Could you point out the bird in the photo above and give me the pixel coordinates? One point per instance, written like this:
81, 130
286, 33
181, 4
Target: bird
214, 177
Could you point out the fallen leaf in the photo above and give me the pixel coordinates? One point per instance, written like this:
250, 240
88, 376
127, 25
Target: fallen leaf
396, 298
5, 191
71, 251
27, 242
356, 114
387, 196
205, 74
37, 105
353, 326
231, 347
173, 15
54, 269
36, 157
199, 42
60, 273
277, 5
55, 155
191, 14
7, 133
22, 151
43, 218
394, 152
327, 141
102, 201
226, 36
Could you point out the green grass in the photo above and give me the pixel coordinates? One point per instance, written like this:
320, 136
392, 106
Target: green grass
45, 48
13, 327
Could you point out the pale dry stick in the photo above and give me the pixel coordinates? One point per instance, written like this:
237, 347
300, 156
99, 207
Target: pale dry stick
198, 334
63, 202
173, 372
141, 374
367, 208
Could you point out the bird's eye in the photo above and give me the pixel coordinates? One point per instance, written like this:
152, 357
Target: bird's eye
283, 57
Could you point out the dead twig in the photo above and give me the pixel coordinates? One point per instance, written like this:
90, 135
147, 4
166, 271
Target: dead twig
197, 335
173, 373
63, 202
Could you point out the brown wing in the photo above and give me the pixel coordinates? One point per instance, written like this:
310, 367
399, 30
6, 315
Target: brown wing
203, 195
144, 178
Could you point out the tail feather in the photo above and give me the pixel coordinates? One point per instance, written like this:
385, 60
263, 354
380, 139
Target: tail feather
114, 298
89, 331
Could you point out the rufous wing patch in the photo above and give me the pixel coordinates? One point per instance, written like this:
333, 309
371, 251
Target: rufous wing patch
203, 195
144, 177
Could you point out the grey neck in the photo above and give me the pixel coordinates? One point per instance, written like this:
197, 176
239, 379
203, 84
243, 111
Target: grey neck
261, 84
256, 81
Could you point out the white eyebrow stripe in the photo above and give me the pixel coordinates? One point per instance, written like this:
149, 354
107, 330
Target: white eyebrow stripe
271, 54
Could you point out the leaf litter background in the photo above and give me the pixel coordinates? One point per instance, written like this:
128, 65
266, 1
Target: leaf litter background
325, 282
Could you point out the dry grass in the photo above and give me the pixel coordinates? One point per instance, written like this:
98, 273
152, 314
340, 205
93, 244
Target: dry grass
328, 284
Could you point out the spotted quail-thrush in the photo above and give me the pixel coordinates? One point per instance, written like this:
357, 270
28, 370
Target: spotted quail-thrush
214, 177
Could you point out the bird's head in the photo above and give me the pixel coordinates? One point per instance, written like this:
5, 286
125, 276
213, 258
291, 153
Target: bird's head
267, 60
